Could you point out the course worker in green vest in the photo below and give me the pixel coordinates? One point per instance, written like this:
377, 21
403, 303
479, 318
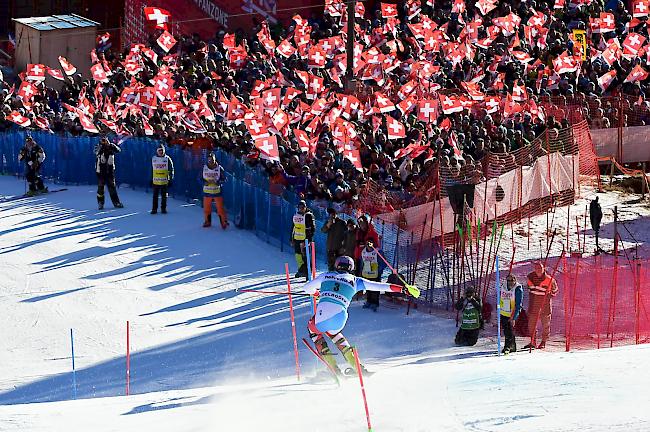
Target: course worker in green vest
471, 320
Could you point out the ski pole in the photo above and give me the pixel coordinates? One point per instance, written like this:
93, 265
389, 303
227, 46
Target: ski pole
273, 292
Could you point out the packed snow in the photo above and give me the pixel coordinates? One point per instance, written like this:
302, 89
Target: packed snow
205, 357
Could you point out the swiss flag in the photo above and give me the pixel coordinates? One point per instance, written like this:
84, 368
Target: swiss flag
27, 91
56, 74
87, 123
193, 123
611, 54
148, 97
98, 73
285, 49
383, 103
492, 104
163, 85
396, 130
407, 105
632, 44
607, 22
486, 6
35, 72
565, 63
428, 110
605, 80
640, 8
316, 86
19, 119
110, 124
68, 67
148, 130
450, 105
352, 154
271, 99
511, 107
406, 89
166, 41
388, 10
160, 16
42, 123
256, 128
280, 119
269, 147
519, 92
473, 90
316, 57
637, 74
306, 145
537, 20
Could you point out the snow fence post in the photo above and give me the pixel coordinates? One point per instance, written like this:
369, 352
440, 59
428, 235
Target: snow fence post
497, 287
293, 321
363, 389
74, 373
308, 256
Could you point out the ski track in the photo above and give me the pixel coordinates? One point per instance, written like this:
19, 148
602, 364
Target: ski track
206, 358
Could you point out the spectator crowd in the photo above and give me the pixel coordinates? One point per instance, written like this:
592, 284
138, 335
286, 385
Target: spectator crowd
438, 87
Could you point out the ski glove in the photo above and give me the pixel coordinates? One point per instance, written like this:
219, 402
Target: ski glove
411, 290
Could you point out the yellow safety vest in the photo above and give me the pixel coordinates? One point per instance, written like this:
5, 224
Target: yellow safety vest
160, 170
507, 302
211, 177
370, 264
299, 227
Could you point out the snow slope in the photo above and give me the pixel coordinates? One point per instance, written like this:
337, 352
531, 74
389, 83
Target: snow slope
206, 358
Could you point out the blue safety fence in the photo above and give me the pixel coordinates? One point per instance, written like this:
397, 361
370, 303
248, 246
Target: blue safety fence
71, 160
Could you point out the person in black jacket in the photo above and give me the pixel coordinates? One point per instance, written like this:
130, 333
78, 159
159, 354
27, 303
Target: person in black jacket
335, 229
105, 153
33, 155
472, 320
595, 216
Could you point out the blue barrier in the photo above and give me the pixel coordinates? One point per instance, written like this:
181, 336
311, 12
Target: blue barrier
71, 160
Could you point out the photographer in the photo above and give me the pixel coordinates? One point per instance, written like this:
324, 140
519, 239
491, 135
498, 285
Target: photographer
105, 153
33, 156
335, 228
472, 322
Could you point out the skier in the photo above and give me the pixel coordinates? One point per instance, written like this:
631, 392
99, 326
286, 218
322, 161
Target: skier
371, 268
472, 321
33, 155
511, 299
303, 229
335, 291
162, 168
105, 152
595, 216
214, 176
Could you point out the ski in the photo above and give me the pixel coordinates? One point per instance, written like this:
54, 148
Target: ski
320, 357
27, 195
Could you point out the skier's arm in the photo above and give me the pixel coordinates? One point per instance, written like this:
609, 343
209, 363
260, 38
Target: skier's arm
365, 284
313, 285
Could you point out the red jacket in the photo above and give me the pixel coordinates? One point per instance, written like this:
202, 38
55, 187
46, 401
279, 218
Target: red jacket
363, 237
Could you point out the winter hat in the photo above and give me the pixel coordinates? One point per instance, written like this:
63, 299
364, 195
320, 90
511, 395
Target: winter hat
161, 146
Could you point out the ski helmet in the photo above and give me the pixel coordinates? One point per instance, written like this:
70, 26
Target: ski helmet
344, 263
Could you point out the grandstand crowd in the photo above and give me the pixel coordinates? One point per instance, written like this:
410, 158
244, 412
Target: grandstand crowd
437, 87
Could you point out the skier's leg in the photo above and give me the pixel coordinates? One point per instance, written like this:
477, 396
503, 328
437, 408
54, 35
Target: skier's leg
221, 211
31, 179
321, 345
344, 346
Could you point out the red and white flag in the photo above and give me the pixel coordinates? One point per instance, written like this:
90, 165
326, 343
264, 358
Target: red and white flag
68, 67
163, 85
35, 72
87, 123
388, 10
19, 119
160, 16
98, 73
166, 41
450, 104
306, 145
42, 122
428, 110
607, 22
632, 44
565, 63
148, 97
352, 154
286, 49
640, 8
316, 57
193, 123
383, 103
56, 74
396, 130
268, 147
280, 119
492, 104
637, 74
27, 91
519, 93
256, 128
612, 53
407, 105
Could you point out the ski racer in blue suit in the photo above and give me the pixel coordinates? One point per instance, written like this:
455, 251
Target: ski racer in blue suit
335, 291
